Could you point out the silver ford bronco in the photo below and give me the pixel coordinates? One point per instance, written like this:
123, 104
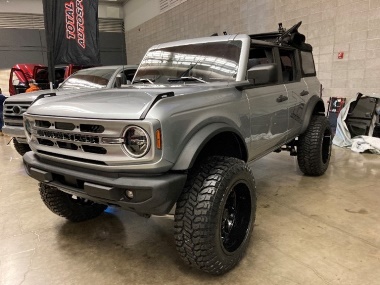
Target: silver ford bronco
182, 135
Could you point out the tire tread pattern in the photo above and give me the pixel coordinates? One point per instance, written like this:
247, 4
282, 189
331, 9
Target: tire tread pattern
309, 151
195, 221
21, 148
63, 205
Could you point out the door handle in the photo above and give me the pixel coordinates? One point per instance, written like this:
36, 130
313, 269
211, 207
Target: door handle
281, 98
304, 93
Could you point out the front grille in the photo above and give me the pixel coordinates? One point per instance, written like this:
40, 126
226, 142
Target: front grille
64, 126
91, 128
45, 142
13, 122
67, 145
96, 142
65, 135
94, 149
42, 124
68, 136
14, 111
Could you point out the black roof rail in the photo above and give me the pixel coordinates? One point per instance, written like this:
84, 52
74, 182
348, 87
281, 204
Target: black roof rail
270, 37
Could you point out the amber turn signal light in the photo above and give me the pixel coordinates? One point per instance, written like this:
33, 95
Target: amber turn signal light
158, 139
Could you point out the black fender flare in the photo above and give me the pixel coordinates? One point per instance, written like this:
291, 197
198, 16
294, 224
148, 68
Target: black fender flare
195, 145
310, 111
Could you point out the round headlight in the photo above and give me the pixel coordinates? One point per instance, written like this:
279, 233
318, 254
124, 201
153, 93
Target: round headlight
136, 141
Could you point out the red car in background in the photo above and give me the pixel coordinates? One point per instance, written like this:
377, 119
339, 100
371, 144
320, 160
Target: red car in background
22, 73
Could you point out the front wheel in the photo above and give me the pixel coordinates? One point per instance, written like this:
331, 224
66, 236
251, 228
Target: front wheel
21, 148
314, 147
215, 214
73, 208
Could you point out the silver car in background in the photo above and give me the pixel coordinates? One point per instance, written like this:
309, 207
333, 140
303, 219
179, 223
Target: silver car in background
103, 77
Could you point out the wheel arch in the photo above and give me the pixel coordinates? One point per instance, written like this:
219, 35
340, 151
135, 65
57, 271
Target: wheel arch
214, 139
315, 106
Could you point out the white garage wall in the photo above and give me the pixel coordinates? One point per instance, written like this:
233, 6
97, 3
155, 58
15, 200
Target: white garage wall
331, 26
21, 6
138, 12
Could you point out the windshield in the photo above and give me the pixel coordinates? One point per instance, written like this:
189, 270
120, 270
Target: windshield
198, 63
88, 78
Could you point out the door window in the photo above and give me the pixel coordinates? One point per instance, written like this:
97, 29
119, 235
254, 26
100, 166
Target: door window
287, 65
259, 55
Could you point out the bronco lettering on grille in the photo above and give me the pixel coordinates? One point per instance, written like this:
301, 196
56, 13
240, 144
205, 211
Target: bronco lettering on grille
68, 137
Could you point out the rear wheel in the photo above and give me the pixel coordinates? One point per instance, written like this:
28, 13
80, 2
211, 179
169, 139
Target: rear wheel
21, 148
73, 208
314, 147
215, 214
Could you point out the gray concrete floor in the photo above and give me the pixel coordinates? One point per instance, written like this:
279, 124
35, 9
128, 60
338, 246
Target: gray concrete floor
308, 230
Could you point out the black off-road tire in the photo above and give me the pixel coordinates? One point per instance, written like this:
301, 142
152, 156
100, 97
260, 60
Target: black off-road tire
376, 132
314, 147
21, 148
65, 205
215, 214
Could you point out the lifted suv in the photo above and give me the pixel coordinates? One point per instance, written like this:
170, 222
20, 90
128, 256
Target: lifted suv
198, 111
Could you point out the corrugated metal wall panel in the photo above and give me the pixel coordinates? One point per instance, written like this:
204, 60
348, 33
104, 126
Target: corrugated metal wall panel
21, 21
36, 21
111, 25
166, 5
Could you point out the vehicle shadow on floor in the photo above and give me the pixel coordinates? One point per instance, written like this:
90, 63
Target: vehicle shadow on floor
128, 247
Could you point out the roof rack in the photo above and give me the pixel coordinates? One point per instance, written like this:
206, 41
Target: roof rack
289, 37
269, 37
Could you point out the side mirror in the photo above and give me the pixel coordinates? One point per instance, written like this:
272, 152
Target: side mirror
263, 74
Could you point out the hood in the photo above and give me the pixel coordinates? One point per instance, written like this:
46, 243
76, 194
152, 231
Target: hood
31, 96
127, 103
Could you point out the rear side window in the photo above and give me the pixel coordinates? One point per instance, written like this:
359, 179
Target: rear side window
308, 67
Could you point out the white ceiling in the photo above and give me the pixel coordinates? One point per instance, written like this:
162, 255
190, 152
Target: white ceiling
114, 2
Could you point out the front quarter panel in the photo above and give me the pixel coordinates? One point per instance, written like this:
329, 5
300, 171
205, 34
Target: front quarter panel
183, 116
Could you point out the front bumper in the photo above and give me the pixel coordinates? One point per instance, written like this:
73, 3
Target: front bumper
152, 194
16, 132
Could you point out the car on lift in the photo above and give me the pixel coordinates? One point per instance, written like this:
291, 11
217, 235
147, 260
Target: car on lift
102, 77
22, 73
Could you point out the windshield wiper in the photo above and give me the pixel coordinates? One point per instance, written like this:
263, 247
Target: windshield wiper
187, 71
186, 78
144, 80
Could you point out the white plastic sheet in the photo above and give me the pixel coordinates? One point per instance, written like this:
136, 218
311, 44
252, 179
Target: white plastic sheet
343, 138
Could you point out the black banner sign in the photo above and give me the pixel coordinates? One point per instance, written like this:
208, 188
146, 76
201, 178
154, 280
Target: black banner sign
75, 29
72, 32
